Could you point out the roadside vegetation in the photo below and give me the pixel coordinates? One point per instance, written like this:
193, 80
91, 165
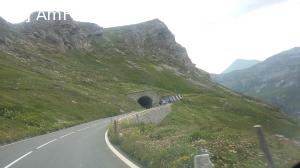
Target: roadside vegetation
217, 123
43, 89
50, 91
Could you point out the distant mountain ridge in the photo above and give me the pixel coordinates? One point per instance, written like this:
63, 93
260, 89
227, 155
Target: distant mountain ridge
275, 80
240, 64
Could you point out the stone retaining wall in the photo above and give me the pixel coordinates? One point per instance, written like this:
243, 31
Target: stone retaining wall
154, 115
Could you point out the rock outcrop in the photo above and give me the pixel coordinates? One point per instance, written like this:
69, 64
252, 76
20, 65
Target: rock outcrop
151, 39
52, 34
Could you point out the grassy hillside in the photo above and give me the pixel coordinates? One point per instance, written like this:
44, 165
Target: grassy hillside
217, 122
55, 75
36, 99
57, 90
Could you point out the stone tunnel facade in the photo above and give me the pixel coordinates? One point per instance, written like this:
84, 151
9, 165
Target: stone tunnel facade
146, 98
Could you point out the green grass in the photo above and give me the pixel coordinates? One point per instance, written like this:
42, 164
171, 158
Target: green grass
43, 90
216, 122
33, 101
50, 91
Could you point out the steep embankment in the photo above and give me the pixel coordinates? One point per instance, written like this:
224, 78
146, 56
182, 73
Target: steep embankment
217, 122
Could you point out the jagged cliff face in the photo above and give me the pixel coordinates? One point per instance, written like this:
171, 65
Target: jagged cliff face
56, 35
153, 38
150, 39
8, 34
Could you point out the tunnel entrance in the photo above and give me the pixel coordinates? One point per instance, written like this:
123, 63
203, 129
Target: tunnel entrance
145, 101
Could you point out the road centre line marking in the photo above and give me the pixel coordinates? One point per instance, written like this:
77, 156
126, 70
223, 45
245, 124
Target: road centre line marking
17, 160
46, 143
83, 129
66, 135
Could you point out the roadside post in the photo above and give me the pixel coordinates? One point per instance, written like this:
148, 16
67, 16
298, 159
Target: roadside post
202, 161
264, 146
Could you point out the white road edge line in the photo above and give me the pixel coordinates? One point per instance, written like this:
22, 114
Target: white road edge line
66, 135
6, 145
17, 160
117, 153
46, 143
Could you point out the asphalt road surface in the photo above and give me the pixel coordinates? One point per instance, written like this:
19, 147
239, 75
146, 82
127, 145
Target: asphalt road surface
81, 146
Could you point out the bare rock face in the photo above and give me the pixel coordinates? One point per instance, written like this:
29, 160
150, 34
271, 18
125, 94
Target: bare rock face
3, 29
8, 34
153, 38
54, 33
59, 30
3, 24
160, 36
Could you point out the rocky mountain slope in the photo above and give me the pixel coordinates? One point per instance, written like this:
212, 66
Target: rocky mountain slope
52, 71
151, 39
54, 74
275, 80
240, 64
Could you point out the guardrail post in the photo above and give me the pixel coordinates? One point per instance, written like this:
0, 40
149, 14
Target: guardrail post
115, 126
137, 118
202, 161
264, 146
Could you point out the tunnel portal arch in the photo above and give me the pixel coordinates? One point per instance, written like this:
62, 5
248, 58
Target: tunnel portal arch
145, 101
145, 98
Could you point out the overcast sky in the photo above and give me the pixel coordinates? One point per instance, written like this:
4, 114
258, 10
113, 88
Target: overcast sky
214, 32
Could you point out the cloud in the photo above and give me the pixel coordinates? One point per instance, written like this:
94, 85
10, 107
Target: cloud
245, 6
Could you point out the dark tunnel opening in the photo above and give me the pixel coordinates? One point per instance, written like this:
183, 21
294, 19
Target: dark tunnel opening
145, 101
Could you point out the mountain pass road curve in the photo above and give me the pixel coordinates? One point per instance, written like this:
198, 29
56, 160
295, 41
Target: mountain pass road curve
81, 146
